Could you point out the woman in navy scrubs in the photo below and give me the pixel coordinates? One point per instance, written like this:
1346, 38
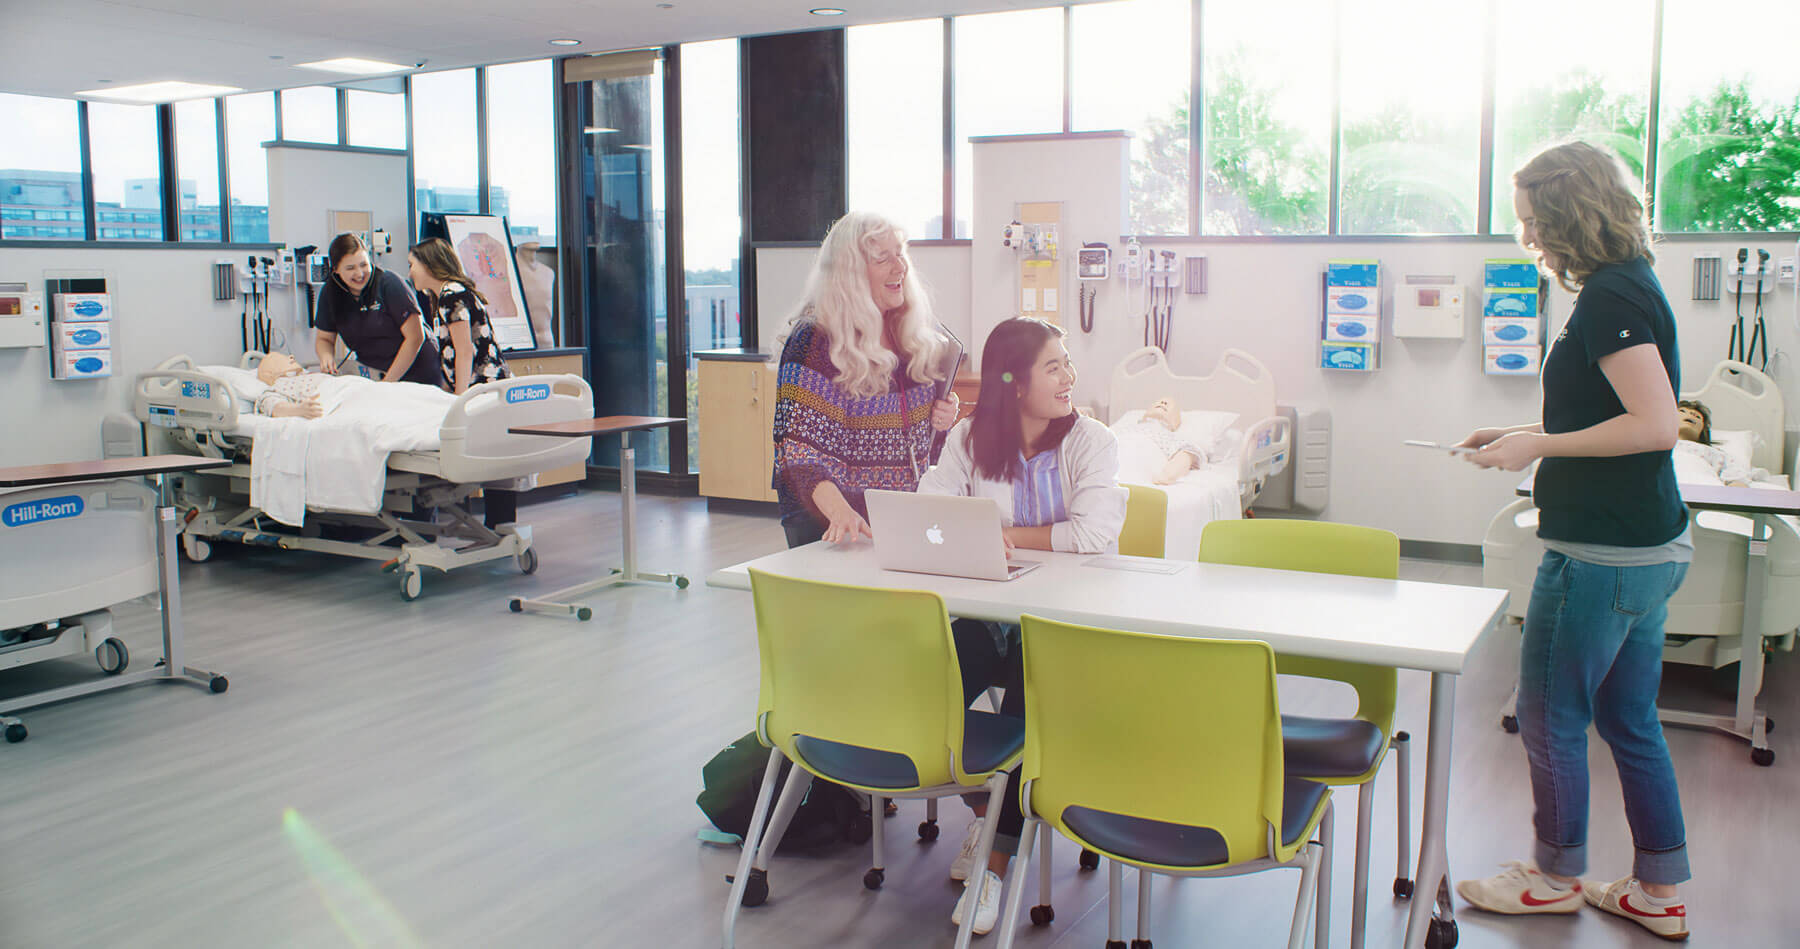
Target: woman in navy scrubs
377, 314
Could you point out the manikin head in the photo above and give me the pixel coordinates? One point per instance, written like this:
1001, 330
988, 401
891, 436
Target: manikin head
1165, 410
1695, 421
274, 366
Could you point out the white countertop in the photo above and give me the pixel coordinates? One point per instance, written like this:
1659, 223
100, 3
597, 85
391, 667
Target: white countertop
1403, 623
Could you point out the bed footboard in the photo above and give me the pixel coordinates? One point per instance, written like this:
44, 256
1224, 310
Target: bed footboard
477, 447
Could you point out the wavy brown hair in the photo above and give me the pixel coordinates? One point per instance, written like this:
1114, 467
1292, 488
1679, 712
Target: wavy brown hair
440, 259
1587, 215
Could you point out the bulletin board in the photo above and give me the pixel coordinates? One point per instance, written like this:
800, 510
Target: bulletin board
1040, 274
486, 251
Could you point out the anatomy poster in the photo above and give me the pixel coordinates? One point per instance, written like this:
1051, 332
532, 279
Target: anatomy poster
486, 251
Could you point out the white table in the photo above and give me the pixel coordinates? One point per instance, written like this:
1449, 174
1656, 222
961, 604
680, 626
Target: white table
1431, 627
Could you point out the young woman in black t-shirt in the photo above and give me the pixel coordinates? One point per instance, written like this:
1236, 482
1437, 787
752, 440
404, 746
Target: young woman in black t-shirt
1617, 544
376, 314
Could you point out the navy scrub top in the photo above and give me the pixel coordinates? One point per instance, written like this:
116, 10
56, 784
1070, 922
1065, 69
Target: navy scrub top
370, 323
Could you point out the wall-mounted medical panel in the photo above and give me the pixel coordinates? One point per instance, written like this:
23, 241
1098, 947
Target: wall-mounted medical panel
1429, 306
21, 317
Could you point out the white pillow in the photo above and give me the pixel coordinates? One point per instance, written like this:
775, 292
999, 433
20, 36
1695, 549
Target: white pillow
1740, 444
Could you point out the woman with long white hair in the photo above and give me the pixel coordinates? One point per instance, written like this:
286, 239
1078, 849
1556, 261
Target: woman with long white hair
861, 371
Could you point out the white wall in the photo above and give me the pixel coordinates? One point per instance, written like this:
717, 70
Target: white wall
164, 306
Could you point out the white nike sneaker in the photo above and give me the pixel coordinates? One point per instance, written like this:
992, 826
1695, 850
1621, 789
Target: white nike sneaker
1521, 888
987, 912
965, 861
1626, 898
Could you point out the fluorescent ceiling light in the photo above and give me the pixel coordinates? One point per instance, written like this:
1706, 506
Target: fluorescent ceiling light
352, 66
826, 11
598, 130
565, 41
167, 91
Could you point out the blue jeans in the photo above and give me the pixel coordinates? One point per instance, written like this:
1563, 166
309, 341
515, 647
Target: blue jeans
1593, 654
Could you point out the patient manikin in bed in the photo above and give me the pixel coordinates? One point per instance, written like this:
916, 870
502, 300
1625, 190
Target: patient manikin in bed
292, 391
1696, 443
1159, 426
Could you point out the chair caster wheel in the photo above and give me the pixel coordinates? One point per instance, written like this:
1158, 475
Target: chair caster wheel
756, 888
1763, 756
584, 614
1140, 944
1441, 935
515, 605
1115, 944
873, 879
1090, 860
681, 583
928, 830
218, 684
1403, 889
1043, 915
1510, 723
1768, 724
15, 733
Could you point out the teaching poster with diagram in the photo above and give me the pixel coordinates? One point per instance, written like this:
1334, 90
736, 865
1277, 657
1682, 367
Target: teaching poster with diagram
486, 250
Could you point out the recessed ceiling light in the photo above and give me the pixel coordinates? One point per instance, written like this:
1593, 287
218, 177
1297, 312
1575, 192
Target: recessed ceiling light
169, 91
565, 41
597, 130
826, 11
350, 65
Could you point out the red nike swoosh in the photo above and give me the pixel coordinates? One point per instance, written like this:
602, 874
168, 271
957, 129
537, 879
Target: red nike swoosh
1530, 900
1625, 904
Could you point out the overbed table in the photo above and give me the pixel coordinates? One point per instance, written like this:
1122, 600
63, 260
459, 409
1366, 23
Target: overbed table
173, 667
1432, 627
560, 601
1761, 505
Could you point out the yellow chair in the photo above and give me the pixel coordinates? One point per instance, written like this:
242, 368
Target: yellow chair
1335, 751
861, 687
1175, 769
1146, 521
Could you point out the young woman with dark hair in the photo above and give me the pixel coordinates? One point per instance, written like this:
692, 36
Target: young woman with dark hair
1054, 475
377, 315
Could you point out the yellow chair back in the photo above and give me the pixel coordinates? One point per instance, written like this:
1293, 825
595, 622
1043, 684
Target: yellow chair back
1146, 521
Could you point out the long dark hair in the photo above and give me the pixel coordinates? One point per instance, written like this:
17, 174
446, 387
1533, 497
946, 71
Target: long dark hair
343, 246
440, 259
1007, 360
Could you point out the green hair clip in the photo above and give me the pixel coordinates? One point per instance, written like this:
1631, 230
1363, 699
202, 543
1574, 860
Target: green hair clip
1006, 377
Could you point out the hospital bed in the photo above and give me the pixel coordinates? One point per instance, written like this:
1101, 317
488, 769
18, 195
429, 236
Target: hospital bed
1236, 404
1705, 625
431, 465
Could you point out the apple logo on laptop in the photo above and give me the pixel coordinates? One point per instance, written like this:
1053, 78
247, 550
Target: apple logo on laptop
934, 535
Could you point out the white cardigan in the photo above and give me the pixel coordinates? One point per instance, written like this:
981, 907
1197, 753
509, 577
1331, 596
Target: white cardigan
1088, 460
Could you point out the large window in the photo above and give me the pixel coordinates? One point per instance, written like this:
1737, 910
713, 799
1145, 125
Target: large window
127, 172
1728, 156
711, 226
1267, 132
443, 135
896, 130
375, 119
40, 170
1555, 85
1009, 81
249, 122
197, 169
1411, 139
309, 114
521, 137
1150, 99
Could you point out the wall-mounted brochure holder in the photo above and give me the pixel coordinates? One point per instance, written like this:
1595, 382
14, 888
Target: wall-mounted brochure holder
80, 328
1512, 318
1350, 335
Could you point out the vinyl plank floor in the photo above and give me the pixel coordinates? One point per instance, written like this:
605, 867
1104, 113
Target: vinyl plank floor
446, 773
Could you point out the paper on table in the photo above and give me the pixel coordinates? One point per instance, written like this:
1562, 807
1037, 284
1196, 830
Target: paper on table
1135, 564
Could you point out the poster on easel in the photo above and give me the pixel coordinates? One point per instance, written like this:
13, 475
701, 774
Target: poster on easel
485, 248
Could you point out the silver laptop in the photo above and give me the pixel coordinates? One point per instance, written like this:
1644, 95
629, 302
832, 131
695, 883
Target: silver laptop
941, 534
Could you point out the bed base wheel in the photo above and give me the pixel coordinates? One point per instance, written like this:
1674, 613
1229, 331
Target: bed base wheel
15, 733
195, 549
412, 584
528, 561
112, 656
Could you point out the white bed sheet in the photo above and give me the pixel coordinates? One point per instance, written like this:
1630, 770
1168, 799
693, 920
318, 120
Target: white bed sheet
1206, 494
338, 461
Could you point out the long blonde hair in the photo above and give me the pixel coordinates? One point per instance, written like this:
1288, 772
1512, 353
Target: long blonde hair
1587, 214
838, 301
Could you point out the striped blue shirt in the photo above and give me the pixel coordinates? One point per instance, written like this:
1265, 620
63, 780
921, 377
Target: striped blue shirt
1038, 492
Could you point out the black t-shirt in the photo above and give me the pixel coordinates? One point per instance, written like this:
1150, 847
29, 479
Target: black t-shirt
370, 323
1630, 500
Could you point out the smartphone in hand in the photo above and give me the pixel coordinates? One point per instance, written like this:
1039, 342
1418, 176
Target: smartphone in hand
1452, 449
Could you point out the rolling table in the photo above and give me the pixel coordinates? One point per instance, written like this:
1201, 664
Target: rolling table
1760, 505
1406, 624
559, 602
173, 667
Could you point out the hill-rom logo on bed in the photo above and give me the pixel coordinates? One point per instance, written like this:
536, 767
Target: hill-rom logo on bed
532, 393
196, 390
43, 509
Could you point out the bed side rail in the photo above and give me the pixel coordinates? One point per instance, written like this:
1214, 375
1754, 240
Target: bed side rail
183, 398
476, 445
1266, 449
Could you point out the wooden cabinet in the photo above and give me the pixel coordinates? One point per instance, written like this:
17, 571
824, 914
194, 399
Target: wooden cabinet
736, 419
530, 364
